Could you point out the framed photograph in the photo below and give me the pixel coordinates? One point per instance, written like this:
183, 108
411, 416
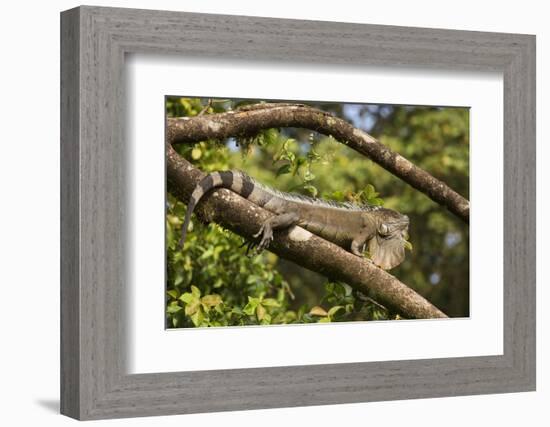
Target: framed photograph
279, 213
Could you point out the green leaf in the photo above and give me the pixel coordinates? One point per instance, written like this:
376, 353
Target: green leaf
288, 142
197, 318
260, 312
271, 136
334, 310
211, 300
192, 307
284, 169
291, 316
308, 176
255, 300
196, 153
173, 293
266, 320
178, 279
311, 189
300, 161
173, 308
270, 302
251, 280
195, 291
329, 287
370, 192
288, 155
250, 308
348, 290
340, 290
337, 195
187, 297
237, 311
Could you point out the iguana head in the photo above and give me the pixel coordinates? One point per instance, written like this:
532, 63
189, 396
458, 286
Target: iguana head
387, 247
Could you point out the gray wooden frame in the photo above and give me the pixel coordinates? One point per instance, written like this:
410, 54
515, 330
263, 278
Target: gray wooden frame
94, 41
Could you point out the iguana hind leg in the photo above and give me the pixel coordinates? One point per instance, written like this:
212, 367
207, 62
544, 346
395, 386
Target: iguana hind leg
276, 222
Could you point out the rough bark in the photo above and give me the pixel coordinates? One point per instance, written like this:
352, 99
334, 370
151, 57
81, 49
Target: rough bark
298, 245
250, 120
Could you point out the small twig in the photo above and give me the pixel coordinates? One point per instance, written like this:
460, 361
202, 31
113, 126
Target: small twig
205, 109
366, 298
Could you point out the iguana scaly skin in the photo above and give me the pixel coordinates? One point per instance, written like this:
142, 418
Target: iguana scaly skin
353, 227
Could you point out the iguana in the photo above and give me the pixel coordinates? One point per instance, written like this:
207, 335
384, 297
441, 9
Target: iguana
351, 226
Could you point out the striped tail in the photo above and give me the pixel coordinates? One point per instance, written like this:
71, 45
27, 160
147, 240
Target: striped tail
237, 181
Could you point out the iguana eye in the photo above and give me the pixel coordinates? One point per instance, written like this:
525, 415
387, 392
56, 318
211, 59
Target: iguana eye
384, 229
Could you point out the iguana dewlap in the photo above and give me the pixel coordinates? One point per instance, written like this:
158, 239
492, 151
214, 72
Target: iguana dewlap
353, 227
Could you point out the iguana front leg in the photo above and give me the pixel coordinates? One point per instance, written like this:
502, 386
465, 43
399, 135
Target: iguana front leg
359, 242
276, 222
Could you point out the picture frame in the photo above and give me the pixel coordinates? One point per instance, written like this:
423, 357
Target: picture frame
94, 381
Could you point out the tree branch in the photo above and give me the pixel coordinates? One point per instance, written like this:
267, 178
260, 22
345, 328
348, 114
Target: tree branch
298, 245
249, 120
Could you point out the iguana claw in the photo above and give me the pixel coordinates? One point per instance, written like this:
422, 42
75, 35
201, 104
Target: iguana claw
249, 246
259, 231
267, 237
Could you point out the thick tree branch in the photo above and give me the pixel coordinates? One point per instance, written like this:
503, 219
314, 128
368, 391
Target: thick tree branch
244, 218
249, 120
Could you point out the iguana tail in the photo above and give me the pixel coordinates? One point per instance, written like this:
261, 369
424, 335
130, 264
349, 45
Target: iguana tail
236, 181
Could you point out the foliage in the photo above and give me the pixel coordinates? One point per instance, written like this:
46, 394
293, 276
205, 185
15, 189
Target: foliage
213, 283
